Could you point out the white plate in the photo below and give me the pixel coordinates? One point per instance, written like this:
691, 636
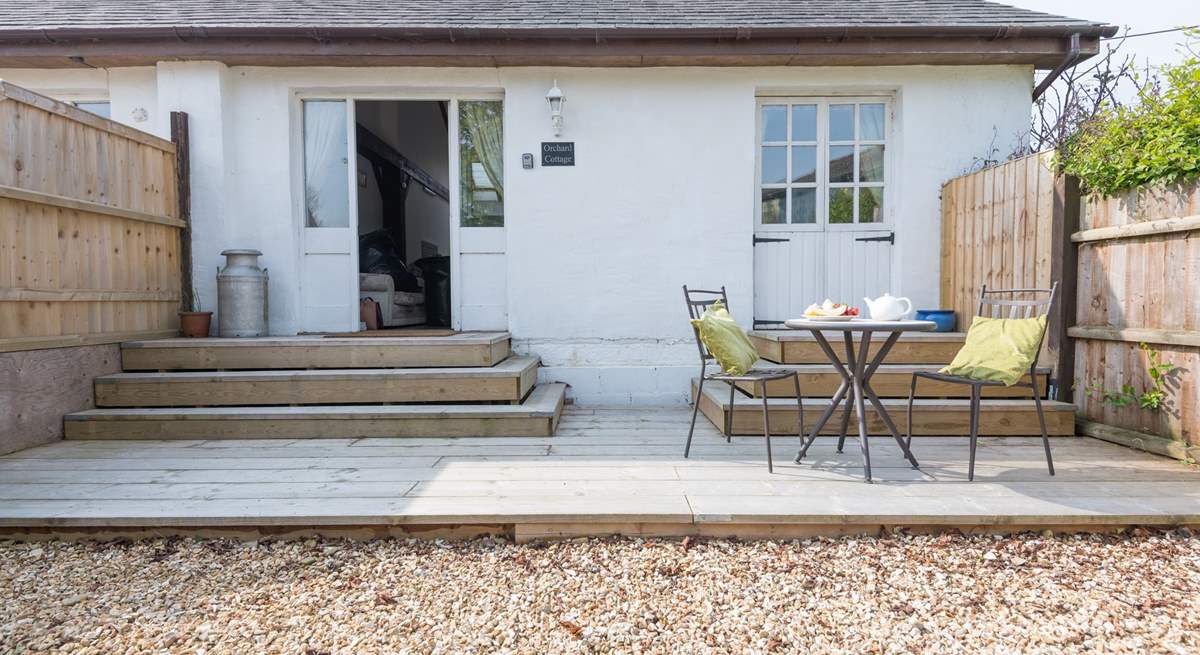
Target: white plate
831, 319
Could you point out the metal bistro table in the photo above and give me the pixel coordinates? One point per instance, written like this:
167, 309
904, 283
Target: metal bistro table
856, 376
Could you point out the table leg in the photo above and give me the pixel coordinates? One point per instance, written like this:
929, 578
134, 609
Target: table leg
816, 431
838, 396
859, 364
874, 399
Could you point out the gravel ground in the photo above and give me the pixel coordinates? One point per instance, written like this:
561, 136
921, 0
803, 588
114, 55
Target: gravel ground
945, 594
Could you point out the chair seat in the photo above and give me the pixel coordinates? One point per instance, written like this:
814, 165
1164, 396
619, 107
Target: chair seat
946, 377
753, 375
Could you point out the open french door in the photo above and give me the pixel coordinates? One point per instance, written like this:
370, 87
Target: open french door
822, 216
329, 227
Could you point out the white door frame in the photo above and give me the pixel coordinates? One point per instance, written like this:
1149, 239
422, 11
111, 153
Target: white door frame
821, 229
399, 94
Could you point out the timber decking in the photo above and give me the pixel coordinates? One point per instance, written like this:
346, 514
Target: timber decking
304, 352
890, 381
799, 347
510, 380
536, 416
616, 471
930, 417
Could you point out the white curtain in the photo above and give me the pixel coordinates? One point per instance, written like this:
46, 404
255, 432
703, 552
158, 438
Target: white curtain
326, 183
483, 120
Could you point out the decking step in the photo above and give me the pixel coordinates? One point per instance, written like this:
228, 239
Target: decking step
800, 347
889, 381
998, 417
510, 380
537, 416
305, 352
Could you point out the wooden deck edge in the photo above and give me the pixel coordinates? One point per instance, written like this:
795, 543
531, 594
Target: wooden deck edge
1150, 443
524, 532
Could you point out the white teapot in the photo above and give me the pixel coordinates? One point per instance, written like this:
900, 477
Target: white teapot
888, 307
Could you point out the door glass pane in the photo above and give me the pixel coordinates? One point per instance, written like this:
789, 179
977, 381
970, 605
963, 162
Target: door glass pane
481, 163
774, 164
326, 166
804, 123
774, 123
841, 205
870, 122
841, 122
804, 205
804, 163
870, 164
841, 164
772, 206
870, 205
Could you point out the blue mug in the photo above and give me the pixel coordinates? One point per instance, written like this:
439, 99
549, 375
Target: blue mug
944, 318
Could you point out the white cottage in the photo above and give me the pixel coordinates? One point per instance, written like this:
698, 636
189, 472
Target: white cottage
568, 165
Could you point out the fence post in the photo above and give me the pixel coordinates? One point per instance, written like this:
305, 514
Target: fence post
183, 186
1064, 269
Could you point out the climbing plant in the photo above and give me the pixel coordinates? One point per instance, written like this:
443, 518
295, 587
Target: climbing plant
1156, 139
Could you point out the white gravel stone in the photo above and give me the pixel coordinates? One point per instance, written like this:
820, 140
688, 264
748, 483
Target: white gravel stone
1135, 593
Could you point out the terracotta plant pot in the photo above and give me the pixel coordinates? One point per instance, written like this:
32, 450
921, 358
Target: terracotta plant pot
195, 324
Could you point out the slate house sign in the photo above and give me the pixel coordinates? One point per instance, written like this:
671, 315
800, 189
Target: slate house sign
560, 153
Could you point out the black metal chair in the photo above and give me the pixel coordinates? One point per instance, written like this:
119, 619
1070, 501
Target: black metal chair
1036, 302
699, 300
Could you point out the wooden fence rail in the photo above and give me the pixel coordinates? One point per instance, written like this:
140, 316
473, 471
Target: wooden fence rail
89, 227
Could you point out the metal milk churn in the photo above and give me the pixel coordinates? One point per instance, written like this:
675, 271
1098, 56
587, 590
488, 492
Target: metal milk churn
241, 295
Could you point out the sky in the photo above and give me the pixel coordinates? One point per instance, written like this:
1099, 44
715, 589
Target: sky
1138, 15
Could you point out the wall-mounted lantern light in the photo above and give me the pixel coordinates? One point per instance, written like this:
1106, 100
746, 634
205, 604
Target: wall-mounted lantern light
556, 99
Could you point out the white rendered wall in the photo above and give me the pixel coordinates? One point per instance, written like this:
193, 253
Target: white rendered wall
662, 194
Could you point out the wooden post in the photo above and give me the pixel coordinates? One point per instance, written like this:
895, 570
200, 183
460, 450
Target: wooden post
179, 136
1064, 256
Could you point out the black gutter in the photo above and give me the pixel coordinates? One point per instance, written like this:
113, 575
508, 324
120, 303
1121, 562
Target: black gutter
597, 32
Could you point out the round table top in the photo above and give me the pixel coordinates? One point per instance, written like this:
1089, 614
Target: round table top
861, 325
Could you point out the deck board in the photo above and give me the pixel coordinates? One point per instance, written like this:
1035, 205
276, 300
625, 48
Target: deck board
608, 471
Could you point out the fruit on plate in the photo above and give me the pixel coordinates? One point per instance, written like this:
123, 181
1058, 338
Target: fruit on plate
830, 308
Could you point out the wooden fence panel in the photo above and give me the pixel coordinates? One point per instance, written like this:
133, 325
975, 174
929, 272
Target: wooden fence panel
996, 230
1139, 281
89, 227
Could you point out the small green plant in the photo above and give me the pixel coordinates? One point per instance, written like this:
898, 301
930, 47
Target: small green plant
1152, 398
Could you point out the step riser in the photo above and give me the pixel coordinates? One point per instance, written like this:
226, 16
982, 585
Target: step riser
928, 421
886, 385
310, 356
808, 352
225, 393
343, 428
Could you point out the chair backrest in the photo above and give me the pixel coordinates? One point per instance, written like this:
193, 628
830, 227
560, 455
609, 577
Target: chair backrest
1018, 303
1015, 303
699, 300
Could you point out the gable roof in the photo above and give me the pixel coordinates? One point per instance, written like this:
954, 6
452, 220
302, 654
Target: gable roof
46, 26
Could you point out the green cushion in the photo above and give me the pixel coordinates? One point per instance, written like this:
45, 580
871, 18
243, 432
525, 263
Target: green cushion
999, 349
725, 340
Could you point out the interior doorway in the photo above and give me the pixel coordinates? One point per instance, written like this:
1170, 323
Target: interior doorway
404, 230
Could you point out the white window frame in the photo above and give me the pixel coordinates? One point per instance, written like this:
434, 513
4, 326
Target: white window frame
823, 144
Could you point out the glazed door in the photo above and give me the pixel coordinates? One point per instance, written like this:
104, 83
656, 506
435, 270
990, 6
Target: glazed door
822, 226
329, 228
